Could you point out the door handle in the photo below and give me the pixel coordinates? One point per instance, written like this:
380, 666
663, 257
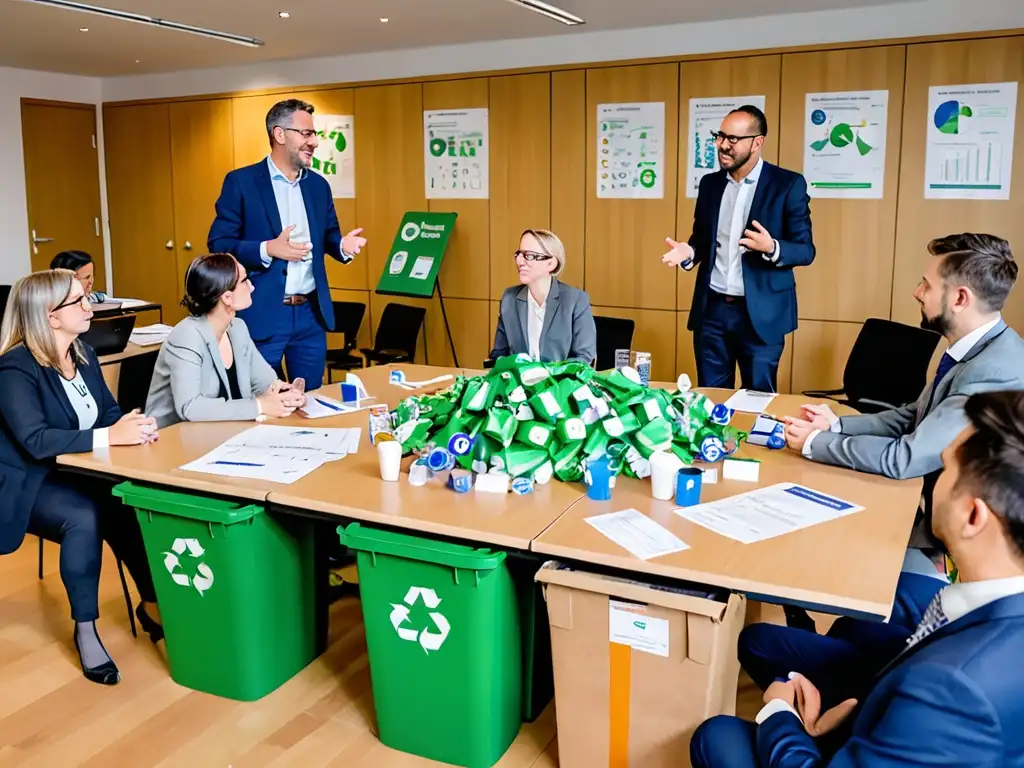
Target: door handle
169, 245
37, 241
188, 246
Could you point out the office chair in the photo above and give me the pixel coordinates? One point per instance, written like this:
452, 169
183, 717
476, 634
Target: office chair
612, 333
397, 334
348, 318
134, 379
5, 294
887, 367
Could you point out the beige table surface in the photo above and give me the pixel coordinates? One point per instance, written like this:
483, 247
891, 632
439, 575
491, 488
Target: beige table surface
850, 565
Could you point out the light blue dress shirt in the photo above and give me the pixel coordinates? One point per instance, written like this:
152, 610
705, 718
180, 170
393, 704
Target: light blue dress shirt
292, 209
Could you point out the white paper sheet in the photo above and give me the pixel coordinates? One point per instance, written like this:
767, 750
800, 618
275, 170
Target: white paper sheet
150, 335
631, 150
768, 512
637, 533
629, 624
320, 407
844, 143
335, 156
749, 401
456, 154
420, 384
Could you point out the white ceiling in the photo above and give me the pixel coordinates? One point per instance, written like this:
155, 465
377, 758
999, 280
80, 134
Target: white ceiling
39, 37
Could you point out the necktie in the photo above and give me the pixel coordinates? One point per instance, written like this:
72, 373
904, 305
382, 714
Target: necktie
934, 618
945, 364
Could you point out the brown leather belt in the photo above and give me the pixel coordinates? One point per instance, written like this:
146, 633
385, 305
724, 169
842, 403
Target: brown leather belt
295, 299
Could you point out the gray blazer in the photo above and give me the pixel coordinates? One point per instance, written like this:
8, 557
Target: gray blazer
189, 373
907, 442
568, 332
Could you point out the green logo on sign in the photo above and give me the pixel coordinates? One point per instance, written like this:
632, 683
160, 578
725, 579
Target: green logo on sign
438, 147
647, 177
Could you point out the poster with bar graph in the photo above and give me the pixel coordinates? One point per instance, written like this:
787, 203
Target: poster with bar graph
969, 150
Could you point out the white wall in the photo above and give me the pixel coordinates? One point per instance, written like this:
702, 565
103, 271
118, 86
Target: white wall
925, 17
15, 259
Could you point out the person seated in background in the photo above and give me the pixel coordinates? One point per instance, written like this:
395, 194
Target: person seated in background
955, 693
208, 369
965, 284
55, 402
543, 317
82, 265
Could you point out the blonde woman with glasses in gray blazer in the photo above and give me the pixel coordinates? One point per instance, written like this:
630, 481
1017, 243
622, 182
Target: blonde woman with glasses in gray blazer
209, 369
542, 316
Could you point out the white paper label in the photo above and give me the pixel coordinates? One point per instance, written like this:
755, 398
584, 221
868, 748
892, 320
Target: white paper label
629, 624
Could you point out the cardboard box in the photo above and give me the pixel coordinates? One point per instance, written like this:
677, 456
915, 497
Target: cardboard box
637, 667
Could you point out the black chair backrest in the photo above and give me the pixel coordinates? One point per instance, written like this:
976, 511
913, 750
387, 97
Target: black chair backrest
399, 328
348, 318
5, 294
612, 333
889, 362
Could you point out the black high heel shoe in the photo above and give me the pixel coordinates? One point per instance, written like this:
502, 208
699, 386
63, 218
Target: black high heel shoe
149, 625
104, 674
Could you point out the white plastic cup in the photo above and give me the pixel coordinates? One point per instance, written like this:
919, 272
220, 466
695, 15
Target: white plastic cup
664, 471
389, 456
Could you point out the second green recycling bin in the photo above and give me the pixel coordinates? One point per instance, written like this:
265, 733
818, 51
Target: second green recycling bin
443, 635
236, 590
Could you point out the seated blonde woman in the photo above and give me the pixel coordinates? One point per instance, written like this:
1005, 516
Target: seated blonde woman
209, 369
542, 316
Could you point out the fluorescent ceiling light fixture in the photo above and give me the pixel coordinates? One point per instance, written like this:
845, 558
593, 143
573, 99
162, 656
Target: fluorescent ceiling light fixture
138, 18
551, 11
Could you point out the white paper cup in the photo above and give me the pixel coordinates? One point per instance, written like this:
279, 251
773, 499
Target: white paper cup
664, 470
389, 456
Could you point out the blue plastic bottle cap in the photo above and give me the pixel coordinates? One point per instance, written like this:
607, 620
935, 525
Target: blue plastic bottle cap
460, 444
440, 459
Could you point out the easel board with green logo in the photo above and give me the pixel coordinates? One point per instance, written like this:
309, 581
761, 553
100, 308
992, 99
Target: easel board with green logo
416, 254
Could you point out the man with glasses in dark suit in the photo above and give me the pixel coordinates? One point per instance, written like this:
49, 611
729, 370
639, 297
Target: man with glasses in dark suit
751, 227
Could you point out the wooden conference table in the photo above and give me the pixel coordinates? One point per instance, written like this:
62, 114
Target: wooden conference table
847, 566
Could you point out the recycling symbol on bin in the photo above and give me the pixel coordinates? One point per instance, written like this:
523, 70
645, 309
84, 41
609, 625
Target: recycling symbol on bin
430, 641
203, 579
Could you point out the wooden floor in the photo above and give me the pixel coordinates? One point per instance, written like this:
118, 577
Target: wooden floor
52, 717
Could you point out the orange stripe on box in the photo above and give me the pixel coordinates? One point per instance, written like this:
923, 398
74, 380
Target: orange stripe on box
618, 705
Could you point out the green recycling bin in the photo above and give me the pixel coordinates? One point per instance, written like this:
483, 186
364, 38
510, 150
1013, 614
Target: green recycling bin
444, 642
236, 590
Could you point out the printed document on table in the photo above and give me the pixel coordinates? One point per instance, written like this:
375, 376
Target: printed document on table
768, 512
750, 401
637, 533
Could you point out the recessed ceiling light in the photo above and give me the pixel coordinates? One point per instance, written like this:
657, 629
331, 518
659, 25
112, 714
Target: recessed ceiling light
284, 15
551, 11
83, 29
383, 20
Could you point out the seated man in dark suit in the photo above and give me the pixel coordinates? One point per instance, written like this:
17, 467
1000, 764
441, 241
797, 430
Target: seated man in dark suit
954, 695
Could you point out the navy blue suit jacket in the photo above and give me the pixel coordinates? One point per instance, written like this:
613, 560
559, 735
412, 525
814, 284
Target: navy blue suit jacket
247, 216
782, 206
38, 424
956, 698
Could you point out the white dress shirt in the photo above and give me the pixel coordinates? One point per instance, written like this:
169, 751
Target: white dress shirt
957, 351
84, 405
292, 208
957, 601
534, 323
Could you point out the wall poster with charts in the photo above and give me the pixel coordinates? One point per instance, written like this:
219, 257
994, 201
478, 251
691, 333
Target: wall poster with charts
455, 146
844, 144
335, 157
706, 117
631, 150
969, 149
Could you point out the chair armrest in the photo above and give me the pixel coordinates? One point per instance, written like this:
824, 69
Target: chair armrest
829, 393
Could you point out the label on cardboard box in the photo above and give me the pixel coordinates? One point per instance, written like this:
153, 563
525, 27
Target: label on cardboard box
629, 624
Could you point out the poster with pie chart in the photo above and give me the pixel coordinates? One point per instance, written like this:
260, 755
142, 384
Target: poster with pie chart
969, 150
844, 143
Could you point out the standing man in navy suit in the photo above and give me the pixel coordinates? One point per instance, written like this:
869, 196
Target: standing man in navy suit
278, 219
751, 226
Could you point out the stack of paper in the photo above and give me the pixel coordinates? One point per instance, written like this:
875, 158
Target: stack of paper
750, 401
151, 335
277, 454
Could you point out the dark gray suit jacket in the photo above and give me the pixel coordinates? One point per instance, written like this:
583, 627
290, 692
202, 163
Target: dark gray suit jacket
908, 442
568, 332
189, 373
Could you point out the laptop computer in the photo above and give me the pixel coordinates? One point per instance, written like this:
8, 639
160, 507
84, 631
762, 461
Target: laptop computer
109, 335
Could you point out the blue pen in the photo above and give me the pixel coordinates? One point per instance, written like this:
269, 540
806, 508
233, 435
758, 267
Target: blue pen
328, 405
239, 463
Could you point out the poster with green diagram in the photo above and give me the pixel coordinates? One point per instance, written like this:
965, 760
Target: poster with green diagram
415, 259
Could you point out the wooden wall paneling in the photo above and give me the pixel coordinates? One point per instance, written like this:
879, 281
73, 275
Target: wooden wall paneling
820, 351
569, 169
854, 238
251, 146
201, 155
140, 203
655, 332
520, 173
625, 238
751, 76
978, 61
465, 272
687, 363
